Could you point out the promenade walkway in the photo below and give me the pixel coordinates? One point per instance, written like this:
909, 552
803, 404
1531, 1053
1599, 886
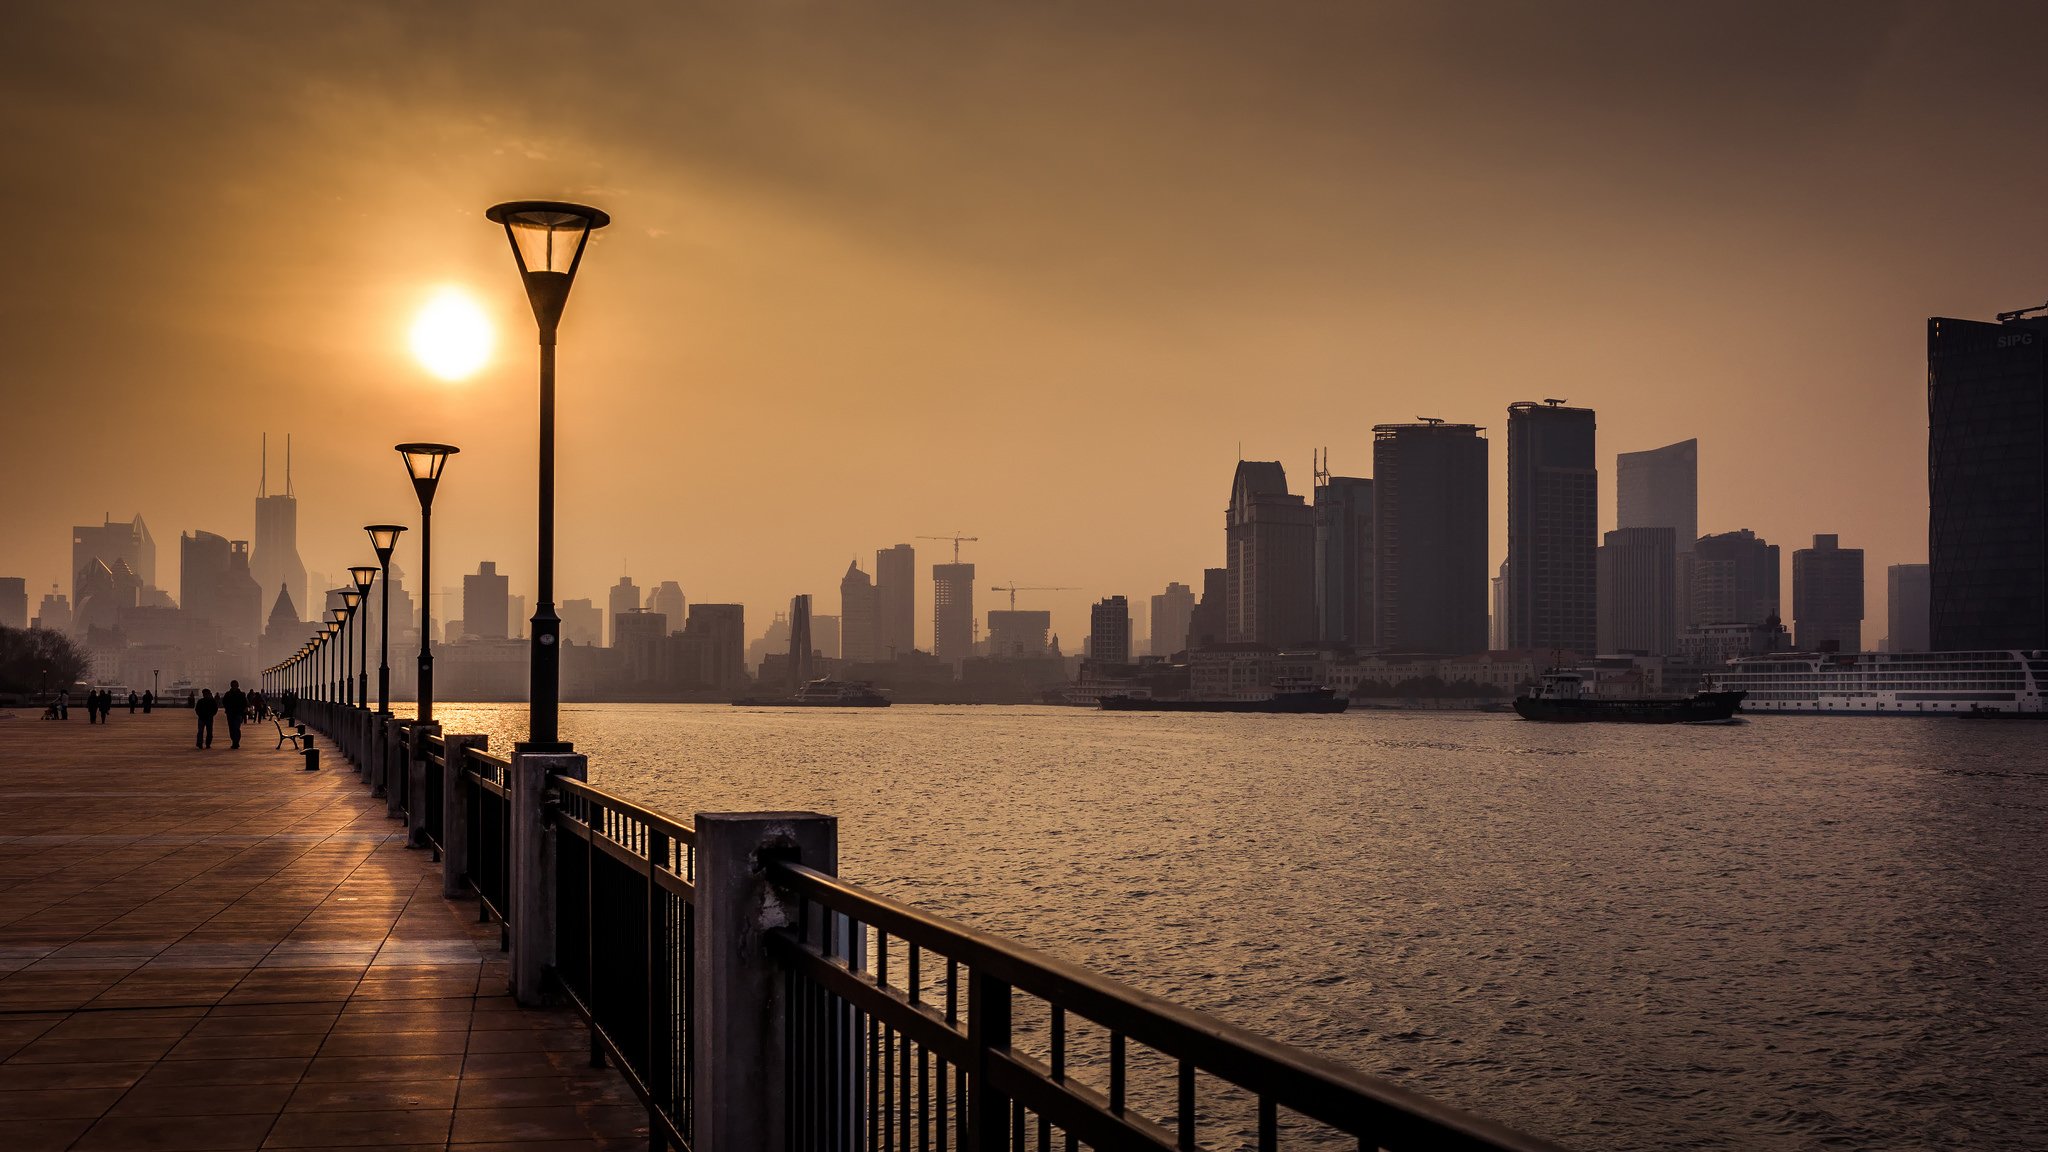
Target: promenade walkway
218, 950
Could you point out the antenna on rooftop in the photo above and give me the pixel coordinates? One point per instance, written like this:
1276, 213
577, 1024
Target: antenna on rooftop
1432, 421
1552, 402
288, 465
263, 473
2019, 312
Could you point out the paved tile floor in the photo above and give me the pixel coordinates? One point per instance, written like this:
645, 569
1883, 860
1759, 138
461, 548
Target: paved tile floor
217, 950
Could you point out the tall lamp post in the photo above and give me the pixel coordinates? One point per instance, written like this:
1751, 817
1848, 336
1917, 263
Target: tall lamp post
351, 603
423, 462
383, 541
335, 681
363, 574
547, 239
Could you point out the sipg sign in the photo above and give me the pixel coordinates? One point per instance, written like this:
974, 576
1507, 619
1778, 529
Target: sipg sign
2015, 340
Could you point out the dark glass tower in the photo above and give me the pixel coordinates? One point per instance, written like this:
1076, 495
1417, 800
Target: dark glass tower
1430, 568
1987, 484
1553, 528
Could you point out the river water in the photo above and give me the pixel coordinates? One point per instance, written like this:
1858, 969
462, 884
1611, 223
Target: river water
1793, 932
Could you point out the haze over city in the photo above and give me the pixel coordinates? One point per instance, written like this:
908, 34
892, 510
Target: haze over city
1040, 274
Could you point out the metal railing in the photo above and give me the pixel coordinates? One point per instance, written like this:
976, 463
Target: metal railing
625, 942
488, 865
949, 1036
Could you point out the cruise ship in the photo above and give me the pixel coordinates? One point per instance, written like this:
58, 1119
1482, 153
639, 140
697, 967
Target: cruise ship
2004, 683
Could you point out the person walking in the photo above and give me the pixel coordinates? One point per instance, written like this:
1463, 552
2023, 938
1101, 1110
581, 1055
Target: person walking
133, 700
92, 706
204, 708
148, 701
64, 705
235, 703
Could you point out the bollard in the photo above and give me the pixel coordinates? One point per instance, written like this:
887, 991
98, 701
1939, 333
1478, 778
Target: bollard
533, 866
312, 756
741, 1009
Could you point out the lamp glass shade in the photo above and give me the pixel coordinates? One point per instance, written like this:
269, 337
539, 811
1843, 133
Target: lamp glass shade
364, 574
425, 461
384, 539
350, 597
548, 236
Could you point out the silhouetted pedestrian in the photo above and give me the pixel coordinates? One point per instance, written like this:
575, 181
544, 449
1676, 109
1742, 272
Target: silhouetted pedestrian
258, 705
148, 701
64, 705
133, 700
204, 708
235, 703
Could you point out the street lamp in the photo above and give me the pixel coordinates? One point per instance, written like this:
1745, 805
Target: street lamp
335, 616
383, 541
423, 462
351, 601
363, 575
547, 239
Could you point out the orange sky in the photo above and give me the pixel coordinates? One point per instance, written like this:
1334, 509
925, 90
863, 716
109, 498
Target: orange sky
1030, 271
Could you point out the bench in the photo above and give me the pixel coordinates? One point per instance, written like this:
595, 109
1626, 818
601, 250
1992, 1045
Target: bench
299, 740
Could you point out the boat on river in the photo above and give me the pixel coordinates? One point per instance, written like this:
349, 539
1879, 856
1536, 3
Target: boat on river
1561, 698
825, 692
1288, 696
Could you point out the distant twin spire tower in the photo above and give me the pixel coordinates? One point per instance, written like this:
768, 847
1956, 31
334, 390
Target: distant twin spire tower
275, 560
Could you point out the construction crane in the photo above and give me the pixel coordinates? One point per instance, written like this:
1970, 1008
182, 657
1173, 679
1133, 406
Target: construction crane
1013, 589
957, 540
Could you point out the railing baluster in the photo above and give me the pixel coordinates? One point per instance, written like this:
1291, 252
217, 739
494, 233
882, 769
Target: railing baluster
1116, 1073
1186, 1108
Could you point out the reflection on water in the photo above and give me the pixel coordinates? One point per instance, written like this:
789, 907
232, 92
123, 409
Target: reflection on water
1795, 931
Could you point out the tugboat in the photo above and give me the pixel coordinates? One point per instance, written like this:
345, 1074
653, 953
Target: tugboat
1289, 696
824, 692
1560, 699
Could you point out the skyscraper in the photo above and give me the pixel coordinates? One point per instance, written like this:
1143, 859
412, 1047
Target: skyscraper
1553, 528
13, 602
1638, 592
583, 623
214, 585
625, 597
1987, 483
1109, 631
274, 558
1827, 597
953, 612
486, 602
283, 631
668, 600
1018, 633
1659, 488
1906, 608
859, 606
1344, 543
1270, 554
1429, 492
895, 601
54, 613
1735, 579
115, 543
1171, 611
825, 636
800, 648
1205, 623
715, 646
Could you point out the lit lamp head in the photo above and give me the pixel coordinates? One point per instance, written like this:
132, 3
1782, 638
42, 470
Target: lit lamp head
547, 239
350, 597
423, 462
364, 574
383, 540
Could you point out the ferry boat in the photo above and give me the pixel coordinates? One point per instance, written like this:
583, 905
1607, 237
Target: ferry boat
1288, 696
1990, 683
825, 692
1560, 698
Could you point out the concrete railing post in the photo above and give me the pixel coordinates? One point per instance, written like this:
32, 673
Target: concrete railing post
455, 817
533, 866
397, 761
741, 1070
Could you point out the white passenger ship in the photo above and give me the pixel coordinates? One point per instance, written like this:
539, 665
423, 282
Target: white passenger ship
1894, 683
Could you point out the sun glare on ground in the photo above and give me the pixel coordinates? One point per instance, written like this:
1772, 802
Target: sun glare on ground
451, 337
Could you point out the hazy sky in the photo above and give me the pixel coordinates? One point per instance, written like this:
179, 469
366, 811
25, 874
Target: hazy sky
1031, 271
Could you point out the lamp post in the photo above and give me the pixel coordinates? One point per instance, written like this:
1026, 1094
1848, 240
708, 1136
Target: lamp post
547, 239
383, 541
363, 575
351, 601
423, 462
335, 681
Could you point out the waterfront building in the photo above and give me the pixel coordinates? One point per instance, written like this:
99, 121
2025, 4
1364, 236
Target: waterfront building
54, 613
895, 602
953, 612
825, 636
274, 554
1708, 646
115, 544
1497, 622
13, 602
860, 606
1109, 631
1553, 527
283, 631
625, 597
1875, 683
1638, 603
1987, 483
1827, 597
582, 623
1343, 561
1659, 488
800, 649
1430, 527
486, 602
1270, 552
711, 649
1171, 612
1906, 590
637, 635
1735, 579
1018, 633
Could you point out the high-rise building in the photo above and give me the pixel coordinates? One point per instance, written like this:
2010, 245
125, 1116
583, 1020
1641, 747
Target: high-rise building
1735, 579
283, 631
713, 646
625, 597
1109, 631
54, 613
582, 623
214, 585
1638, 592
1205, 623
1659, 488
1987, 484
13, 602
116, 544
274, 558
1270, 555
825, 636
1018, 633
859, 611
895, 601
1906, 590
1553, 528
1827, 596
486, 602
953, 612
1171, 611
1497, 620
1344, 602
668, 600
638, 635
1430, 527
800, 647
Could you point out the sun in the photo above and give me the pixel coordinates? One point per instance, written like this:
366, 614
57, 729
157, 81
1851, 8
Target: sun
451, 337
